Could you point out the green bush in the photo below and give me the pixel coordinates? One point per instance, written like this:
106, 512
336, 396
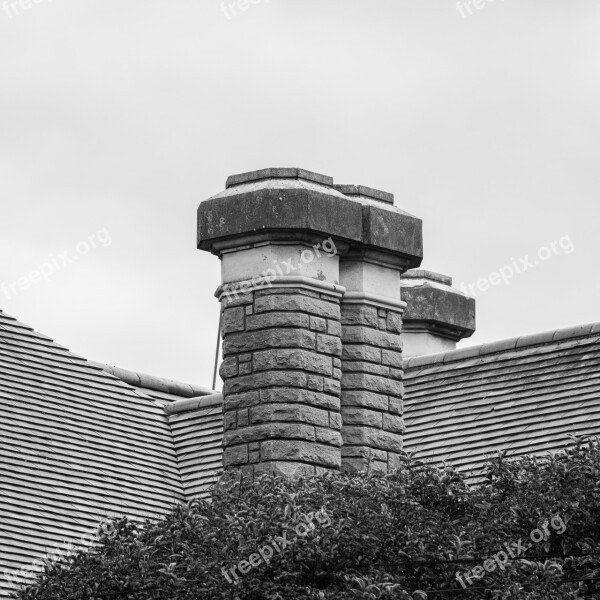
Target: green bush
365, 536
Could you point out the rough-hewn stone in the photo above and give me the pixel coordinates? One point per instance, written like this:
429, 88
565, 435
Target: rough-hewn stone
264, 379
300, 413
396, 406
235, 455
393, 423
358, 314
302, 396
334, 327
394, 322
361, 352
284, 359
277, 319
274, 375
374, 337
365, 399
361, 416
268, 338
296, 302
329, 344
229, 420
233, 320
391, 358
292, 359
356, 366
245, 368
229, 368
365, 381
318, 324
364, 452
314, 383
291, 450
335, 420
243, 417
371, 386
290, 470
374, 438
331, 386
233, 402
328, 436
288, 431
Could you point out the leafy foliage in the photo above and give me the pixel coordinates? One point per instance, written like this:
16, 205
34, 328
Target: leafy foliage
402, 536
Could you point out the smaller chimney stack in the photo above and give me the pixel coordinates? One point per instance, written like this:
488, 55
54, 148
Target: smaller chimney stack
437, 315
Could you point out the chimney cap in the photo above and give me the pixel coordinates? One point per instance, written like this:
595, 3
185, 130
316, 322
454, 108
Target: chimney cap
364, 191
278, 173
428, 276
434, 306
290, 204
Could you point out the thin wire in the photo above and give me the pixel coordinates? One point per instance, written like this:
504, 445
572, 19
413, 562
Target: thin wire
218, 348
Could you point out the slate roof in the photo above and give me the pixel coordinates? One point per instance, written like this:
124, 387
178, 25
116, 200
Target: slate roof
80, 440
197, 427
524, 395
76, 444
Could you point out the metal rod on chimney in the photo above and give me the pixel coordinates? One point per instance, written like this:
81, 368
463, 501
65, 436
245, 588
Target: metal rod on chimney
214, 383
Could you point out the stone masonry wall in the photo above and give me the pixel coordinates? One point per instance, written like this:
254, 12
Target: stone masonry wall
281, 370
372, 388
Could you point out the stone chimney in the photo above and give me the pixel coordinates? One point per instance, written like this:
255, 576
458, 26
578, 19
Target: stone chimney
310, 296
437, 315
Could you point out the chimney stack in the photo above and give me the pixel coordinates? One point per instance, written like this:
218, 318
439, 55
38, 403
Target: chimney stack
372, 308
437, 315
310, 296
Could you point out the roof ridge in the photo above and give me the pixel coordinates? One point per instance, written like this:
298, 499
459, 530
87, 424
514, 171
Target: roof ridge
535, 339
11, 318
195, 403
151, 382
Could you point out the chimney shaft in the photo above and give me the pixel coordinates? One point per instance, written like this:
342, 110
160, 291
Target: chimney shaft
289, 243
372, 390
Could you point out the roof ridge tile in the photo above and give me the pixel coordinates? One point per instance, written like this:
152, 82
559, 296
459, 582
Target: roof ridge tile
536, 339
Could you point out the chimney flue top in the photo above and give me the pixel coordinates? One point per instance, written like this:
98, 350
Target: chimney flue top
278, 173
437, 315
427, 276
365, 192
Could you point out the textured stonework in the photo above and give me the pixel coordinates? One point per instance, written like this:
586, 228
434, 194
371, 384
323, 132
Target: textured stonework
281, 372
372, 387
293, 246
437, 315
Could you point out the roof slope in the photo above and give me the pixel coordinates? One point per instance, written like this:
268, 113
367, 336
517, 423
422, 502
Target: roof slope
524, 395
197, 427
75, 443
79, 440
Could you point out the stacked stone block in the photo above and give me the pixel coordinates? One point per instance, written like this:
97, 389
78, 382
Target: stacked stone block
372, 388
282, 348
281, 371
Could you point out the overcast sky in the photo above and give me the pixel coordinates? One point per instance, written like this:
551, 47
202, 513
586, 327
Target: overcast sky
118, 117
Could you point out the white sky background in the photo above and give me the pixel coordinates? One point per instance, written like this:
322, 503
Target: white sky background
124, 115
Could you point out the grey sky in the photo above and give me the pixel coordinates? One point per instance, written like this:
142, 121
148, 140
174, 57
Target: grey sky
121, 117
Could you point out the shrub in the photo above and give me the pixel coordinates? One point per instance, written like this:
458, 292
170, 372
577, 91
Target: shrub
364, 536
